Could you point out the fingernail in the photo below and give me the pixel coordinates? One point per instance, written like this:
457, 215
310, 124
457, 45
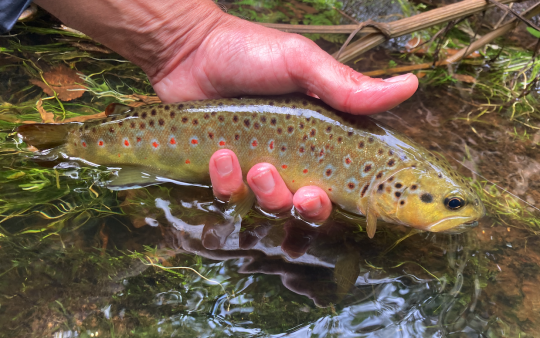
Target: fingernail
224, 165
400, 78
312, 206
264, 181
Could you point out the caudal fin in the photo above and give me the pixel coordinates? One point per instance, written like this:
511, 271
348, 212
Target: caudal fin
45, 136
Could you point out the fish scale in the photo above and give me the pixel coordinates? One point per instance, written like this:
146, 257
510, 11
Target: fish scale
355, 159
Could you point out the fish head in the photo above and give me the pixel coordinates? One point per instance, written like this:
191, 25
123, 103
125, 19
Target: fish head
430, 198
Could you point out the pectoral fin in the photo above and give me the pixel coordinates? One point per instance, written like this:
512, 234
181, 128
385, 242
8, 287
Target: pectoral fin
241, 202
371, 219
131, 178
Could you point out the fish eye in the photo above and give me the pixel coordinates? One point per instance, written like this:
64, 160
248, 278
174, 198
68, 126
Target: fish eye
454, 203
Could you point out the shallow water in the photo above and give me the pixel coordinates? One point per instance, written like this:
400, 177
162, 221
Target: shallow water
79, 260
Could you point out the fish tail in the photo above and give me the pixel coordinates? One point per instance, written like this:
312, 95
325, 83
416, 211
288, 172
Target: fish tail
44, 135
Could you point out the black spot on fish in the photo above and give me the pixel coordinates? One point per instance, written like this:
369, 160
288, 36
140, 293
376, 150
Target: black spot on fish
221, 118
172, 115
151, 123
398, 194
283, 148
166, 108
256, 125
288, 116
154, 112
381, 187
301, 125
361, 145
328, 129
312, 147
312, 132
132, 125
142, 126
367, 168
339, 139
236, 137
94, 129
426, 198
144, 115
402, 202
371, 139
135, 114
271, 103
351, 185
220, 104
440, 175
161, 122
206, 116
287, 101
293, 107
180, 106
391, 162
390, 152
366, 187
235, 118
195, 122
398, 185
213, 113
414, 186
113, 118
263, 119
279, 131
184, 119
273, 121
211, 135
391, 179
301, 149
328, 172
121, 123
247, 123
290, 129
380, 151
379, 175
173, 129
111, 130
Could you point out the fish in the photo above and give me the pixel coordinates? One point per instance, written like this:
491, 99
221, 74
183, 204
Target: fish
365, 167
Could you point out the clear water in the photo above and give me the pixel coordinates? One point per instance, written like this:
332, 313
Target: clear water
77, 260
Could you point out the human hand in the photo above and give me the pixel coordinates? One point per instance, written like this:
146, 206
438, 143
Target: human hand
311, 202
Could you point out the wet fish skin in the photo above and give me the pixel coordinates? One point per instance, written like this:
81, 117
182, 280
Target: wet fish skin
365, 167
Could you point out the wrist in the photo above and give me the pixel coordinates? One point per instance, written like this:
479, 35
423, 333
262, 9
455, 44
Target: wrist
154, 35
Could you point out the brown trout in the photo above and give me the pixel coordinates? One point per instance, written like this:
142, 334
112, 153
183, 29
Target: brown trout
365, 167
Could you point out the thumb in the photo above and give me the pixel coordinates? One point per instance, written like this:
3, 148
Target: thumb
342, 87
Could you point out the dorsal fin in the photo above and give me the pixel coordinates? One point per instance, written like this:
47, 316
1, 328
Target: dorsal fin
117, 109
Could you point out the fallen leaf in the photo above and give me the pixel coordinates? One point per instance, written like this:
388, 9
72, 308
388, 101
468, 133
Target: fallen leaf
143, 99
452, 51
46, 117
464, 78
63, 81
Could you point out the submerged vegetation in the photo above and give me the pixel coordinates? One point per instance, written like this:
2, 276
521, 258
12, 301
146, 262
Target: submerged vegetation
78, 258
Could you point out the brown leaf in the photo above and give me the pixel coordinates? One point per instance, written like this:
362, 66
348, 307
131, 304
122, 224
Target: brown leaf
464, 78
63, 81
46, 117
143, 99
452, 51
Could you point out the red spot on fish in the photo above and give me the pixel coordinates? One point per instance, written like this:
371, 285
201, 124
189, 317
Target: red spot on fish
188, 161
284, 166
126, 143
118, 155
222, 143
329, 189
272, 145
293, 181
100, 143
155, 144
194, 141
305, 171
139, 139
84, 144
254, 143
173, 141
348, 160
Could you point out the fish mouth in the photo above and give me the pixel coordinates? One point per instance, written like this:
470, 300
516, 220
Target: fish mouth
453, 225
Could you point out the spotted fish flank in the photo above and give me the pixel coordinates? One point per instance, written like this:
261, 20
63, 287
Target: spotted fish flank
365, 167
